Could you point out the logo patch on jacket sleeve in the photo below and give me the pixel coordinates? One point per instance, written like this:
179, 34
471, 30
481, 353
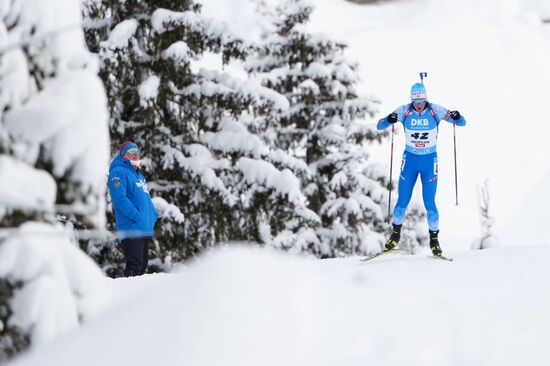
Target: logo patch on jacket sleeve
116, 181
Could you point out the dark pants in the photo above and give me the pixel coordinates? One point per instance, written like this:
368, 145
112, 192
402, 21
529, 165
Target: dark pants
136, 252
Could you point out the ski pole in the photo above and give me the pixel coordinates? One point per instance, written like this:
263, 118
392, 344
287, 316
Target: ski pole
456, 174
391, 175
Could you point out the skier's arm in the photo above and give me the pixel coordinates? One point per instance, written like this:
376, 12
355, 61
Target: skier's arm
448, 115
383, 123
117, 189
457, 118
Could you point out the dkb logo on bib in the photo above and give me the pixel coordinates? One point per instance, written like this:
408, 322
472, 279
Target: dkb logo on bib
419, 122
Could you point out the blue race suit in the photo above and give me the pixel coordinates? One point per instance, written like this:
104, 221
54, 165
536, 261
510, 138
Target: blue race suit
420, 157
135, 214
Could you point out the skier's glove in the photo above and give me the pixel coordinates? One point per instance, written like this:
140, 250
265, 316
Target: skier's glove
455, 115
392, 118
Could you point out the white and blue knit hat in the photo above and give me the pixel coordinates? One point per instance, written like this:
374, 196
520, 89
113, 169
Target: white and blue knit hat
127, 145
418, 92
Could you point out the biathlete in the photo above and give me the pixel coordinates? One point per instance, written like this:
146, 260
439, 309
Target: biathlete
421, 120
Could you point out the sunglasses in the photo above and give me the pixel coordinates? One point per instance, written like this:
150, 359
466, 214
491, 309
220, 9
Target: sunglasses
133, 150
420, 101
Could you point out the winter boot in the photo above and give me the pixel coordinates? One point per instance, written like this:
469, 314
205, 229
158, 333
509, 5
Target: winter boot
434, 243
394, 238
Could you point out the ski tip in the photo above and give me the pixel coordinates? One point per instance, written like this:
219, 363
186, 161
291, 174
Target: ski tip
440, 257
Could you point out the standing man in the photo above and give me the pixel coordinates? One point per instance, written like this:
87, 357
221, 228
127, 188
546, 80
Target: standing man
421, 122
135, 214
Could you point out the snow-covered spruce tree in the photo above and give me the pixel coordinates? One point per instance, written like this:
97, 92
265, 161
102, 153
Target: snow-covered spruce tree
325, 125
212, 178
53, 157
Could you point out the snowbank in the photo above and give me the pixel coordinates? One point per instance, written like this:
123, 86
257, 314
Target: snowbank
255, 307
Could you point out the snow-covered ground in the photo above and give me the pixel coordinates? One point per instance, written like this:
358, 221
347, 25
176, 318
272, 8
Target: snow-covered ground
490, 61
254, 307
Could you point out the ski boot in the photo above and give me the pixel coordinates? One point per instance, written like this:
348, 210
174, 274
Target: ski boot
394, 238
434, 243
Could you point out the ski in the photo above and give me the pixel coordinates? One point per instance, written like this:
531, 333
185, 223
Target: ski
369, 257
440, 257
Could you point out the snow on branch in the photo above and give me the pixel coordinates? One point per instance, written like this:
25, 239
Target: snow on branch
258, 93
201, 164
69, 119
149, 90
283, 182
283, 158
178, 51
50, 30
358, 205
121, 34
309, 87
317, 70
25, 187
168, 210
234, 137
164, 20
224, 84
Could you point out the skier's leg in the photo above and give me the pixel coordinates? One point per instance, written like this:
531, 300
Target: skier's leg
429, 176
407, 180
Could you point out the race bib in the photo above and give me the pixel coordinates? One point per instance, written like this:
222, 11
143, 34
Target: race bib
421, 139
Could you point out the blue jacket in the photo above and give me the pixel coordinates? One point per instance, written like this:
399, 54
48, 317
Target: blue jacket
421, 129
135, 214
